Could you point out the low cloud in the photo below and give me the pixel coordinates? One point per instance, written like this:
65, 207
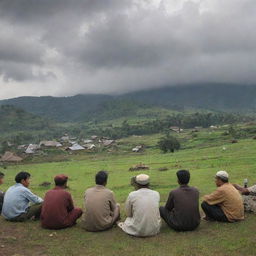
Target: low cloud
69, 47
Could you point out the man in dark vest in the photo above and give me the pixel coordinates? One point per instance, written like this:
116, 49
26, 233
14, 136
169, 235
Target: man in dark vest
181, 211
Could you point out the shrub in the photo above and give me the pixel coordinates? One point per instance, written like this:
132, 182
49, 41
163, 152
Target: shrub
168, 144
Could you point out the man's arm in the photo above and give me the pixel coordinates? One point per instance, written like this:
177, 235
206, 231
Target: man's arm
32, 197
169, 204
70, 206
242, 190
112, 202
215, 197
128, 207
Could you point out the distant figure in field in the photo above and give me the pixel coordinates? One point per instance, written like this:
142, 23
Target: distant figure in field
17, 198
225, 204
58, 209
100, 208
142, 209
249, 197
1, 192
181, 211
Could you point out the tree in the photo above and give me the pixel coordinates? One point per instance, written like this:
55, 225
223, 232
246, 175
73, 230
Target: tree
168, 143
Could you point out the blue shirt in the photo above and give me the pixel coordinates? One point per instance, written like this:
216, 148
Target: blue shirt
16, 201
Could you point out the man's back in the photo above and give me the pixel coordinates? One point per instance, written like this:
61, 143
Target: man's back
99, 208
229, 200
183, 203
16, 201
57, 204
142, 207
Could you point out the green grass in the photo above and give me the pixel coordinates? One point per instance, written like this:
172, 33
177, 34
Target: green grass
202, 161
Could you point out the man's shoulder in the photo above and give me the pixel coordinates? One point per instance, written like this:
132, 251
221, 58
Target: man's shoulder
19, 187
226, 187
95, 188
154, 192
194, 189
181, 189
58, 191
140, 191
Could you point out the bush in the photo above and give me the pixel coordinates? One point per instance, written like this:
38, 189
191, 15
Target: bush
168, 144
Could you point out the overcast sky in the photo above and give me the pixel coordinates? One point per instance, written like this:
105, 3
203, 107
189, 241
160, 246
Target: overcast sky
64, 47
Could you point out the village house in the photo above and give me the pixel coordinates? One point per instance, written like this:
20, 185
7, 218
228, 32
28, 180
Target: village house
89, 146
75, 147
49, 143
10, 157
176, 129
137, 149
32, 148
106, 142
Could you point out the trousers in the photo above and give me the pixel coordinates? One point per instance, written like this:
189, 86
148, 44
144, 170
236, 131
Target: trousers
32, 211
214, 212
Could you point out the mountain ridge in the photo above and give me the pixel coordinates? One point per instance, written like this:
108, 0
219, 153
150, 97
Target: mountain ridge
84, 107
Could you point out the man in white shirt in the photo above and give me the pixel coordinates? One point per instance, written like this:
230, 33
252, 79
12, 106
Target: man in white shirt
142, 210
249, 197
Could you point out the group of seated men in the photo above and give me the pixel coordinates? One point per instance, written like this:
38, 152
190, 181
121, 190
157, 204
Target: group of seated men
101, 211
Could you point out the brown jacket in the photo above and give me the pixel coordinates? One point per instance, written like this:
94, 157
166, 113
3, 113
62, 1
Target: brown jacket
183, 204
99, 206
230, 201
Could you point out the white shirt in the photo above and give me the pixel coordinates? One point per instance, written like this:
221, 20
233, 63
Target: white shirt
142, 209
252, 189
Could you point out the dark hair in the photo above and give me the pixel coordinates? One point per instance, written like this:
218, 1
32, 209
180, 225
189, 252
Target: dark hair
22, 176
101, 178
183, 176
1, 175
225, 180
60, 182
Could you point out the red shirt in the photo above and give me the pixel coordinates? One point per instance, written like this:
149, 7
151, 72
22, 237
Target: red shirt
56, 207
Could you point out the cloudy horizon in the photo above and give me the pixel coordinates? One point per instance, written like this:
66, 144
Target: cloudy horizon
63, 48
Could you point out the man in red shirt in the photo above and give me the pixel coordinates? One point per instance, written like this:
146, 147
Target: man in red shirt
58, 210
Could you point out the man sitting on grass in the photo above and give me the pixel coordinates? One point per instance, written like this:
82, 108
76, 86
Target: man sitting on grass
17, 198
249, 197
100, 208
58, 209
1, 192
181, 211
225, 204
142, 209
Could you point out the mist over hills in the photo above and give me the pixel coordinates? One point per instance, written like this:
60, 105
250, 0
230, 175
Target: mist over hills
220, 97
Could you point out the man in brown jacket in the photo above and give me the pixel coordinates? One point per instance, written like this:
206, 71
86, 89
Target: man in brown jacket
58, 209
100, 208
181, 211
225, 204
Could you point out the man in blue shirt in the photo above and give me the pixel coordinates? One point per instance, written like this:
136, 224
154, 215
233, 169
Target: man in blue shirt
17, 198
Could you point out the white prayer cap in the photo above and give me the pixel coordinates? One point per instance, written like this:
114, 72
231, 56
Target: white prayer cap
142, 179
222, 174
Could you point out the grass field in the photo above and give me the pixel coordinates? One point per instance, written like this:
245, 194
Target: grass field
203, 161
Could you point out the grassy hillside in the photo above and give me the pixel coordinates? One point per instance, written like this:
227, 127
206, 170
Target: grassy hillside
203, 161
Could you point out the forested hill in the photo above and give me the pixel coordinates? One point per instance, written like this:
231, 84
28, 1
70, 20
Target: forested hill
65, 109
222, 97
15, 119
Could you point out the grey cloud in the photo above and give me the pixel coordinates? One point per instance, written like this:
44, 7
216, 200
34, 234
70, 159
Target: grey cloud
38, 11
125, 45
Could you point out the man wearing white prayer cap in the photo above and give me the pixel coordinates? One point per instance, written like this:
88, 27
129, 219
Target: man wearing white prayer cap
225, 203
142, 209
